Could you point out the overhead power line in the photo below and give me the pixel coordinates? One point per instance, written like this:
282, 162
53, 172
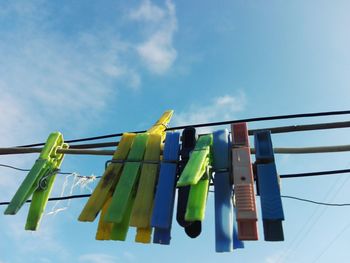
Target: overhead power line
209, 124
283, 196
277, 150
298, 175
314, 202
283, 176
274, 130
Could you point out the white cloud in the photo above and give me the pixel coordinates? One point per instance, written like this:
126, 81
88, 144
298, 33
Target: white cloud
39, 244
97, 258
274, 258
157, 51
147, 12
130, 257
218, 109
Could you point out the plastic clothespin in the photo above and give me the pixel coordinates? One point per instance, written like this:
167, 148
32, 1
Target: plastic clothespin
188, 142
197, 175
269, 189
39, 181
120, 209
144, 234
109, 180
225, 235
142, 208
165, 194
128, 180
243, 183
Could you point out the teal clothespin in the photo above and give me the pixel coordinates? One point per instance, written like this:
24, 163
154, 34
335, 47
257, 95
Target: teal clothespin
39, 181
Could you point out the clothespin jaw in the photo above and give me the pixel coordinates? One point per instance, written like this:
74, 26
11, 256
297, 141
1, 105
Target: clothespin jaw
269, 189
43, 165
160, 126
165, 192
243, 183
161, 236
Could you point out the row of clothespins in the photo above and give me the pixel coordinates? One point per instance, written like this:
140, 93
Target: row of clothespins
138, 186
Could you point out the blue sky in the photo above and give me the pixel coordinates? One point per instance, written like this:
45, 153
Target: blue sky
87, 68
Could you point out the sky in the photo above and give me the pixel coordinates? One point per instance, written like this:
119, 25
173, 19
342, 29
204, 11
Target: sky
87, 68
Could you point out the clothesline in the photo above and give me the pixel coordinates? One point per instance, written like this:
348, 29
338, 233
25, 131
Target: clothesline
248, 120
274, 130
191, 165
278, 150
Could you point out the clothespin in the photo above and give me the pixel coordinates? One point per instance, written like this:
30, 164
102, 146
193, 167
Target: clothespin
243, 183
128, 179
224, 213
109, 180
39, 181
125, 191
269, 189
114, 231
165, 194
188, 142
197, 175
142, 209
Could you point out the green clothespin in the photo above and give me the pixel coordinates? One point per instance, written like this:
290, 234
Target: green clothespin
197, 175
39, 181
198, 162
127, 181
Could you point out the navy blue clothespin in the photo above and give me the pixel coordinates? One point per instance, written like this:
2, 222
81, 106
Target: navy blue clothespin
188, 142
269, 189
164, 198
225, 233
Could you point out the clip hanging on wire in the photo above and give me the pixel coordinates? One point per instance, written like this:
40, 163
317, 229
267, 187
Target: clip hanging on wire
243, 183
188, 142
39, 181
195, 174
269, 188
164, 198
225, 233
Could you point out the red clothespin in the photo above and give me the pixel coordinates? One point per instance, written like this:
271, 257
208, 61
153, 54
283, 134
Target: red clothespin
243, 183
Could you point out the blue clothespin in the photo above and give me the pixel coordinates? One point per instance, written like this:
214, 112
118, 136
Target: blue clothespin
188, 142
225, 229
269, 189
164, 198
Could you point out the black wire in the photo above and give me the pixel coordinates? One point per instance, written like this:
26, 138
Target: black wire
283, 196
281, 176
315, 173
314, 202
56, 198
27, 170
208, 124
295, 175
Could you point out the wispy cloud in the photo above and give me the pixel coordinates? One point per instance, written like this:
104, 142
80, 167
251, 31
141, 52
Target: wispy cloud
40, 244
273, 258
157, 50
47, 75
97, 258
219, 108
